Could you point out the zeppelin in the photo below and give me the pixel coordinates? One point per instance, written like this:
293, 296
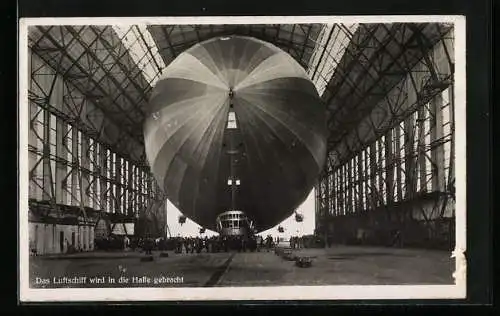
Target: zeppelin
235, 125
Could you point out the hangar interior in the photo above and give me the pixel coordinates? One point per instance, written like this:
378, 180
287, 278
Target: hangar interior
389, 95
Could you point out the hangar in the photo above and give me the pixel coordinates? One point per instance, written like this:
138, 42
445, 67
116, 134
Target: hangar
389, 176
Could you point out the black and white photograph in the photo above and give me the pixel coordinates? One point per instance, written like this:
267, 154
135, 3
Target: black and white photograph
242, 158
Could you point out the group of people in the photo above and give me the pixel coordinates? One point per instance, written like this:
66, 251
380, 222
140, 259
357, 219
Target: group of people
296, 242
214, 244
196, 244
112, 243
206, 244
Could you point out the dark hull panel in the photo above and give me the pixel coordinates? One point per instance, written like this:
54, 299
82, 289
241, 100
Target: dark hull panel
280, 137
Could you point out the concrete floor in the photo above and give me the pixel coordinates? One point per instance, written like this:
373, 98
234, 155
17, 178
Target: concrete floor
339, 265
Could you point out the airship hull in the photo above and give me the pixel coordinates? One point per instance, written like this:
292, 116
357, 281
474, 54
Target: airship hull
275, 146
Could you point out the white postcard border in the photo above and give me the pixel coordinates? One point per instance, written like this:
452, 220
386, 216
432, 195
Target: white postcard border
458, 290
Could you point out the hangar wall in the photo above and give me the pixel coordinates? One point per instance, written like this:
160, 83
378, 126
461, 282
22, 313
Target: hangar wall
48, 238
71, 165
396, 166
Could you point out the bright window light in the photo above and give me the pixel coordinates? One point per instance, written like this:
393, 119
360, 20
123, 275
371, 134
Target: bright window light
321, 70
142, 49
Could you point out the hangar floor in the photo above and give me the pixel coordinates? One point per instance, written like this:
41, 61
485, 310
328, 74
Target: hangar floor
338, 265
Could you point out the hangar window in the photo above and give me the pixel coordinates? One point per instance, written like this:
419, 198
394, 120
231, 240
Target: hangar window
427, 155
368, 161
79, 145
113, 165
416, 123
364, 195
136, 179
447, 117
92, 182
69, 184
53, 147
336, 191
402, 160
395, 163
331, 43
344, 189
98, 192
376, 186
383, 175
445, 110
418, 176
142, 49
126, 175
362, 179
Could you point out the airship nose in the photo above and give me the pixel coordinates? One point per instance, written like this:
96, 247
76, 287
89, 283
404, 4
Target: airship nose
279, 122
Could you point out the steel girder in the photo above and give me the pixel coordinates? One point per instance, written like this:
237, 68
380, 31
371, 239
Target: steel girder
65, 164
378, 57
94, 60
103, 94
296, 39
383, 82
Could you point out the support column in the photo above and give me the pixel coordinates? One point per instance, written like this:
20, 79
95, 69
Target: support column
349, 183
389, 167
75, 182
84, 166
359, 184
91, 237
410, 151
118, 189
102, 158
61, 166
47, 176
332, 211
372, 178
36, 151
420, 174
437, 154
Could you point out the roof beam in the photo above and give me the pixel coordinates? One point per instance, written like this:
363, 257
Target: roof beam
84, 126
98, 87
143, 50
169, 43
305, 42
117, 60
160, 69
92, 54
402, 52
351, 64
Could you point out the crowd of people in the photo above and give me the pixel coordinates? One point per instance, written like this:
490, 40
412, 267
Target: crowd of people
196, 244
218, 244
187, 244
296, 242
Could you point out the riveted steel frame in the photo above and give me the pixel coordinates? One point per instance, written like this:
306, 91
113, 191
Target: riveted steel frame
70, 147
388, 143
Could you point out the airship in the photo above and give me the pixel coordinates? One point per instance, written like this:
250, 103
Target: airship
236, 130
